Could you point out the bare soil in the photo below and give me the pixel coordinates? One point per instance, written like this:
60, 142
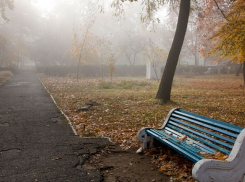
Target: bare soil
117, 165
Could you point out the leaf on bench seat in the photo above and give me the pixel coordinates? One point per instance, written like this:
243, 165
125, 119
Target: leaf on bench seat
201, 153
216, 155
222, 158
183, 137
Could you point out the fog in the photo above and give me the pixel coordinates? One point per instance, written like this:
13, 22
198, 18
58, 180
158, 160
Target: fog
59, 32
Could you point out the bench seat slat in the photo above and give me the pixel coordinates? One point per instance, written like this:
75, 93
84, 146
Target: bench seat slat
196, 144
206, 125
203, 130
165, 136
211, 121
200, 134
179, 147
200, 139
182, 144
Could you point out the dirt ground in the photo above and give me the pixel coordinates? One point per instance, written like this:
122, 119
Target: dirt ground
117, 165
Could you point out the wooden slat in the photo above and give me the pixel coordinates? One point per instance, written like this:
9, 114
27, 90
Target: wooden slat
195, 137
201, 135
179, 147
213, 122
203, 130
205, 125
196, 144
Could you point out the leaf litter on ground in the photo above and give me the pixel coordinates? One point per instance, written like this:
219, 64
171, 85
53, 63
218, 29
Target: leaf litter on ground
128, 104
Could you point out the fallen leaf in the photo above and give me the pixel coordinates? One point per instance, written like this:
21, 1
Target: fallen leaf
163, 158
183, 137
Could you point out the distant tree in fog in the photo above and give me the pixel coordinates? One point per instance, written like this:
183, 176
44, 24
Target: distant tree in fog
132, 47
111, 65
3, 4
150, 7
155, 56
103, 52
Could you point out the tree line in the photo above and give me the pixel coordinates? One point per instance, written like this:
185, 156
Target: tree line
211, 28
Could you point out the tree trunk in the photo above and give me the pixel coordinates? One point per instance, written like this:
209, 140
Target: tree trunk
102, 72
238, 69
165, 86
205, 61
196, 51
78, 70
243, 71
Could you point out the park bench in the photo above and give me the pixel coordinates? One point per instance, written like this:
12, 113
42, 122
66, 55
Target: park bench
198, 137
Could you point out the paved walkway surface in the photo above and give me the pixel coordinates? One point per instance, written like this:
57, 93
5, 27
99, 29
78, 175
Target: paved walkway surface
36, 143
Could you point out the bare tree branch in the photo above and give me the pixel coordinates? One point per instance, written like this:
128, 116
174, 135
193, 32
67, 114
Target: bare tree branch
220, 9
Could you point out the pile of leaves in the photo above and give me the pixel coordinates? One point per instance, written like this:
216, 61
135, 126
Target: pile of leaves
171, 163
127, 104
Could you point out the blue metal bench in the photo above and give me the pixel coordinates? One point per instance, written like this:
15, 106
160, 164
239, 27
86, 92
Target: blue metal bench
195, 137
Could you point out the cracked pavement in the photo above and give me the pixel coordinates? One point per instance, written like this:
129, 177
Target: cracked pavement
36, 142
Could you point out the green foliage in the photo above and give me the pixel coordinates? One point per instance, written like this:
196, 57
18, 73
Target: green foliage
105, 85
191, 69
131, 84
124, 84
150, 7
91, 70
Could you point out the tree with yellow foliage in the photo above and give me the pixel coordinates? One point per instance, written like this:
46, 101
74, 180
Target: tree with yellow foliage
229, 39
81, 42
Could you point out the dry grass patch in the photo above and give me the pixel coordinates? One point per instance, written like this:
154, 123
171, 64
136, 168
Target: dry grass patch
127, 104
4, 76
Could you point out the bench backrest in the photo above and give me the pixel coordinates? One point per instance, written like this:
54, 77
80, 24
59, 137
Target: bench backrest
211, 135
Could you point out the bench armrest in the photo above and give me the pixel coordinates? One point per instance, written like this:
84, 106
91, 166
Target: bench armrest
167, 118
146, 140
230, 170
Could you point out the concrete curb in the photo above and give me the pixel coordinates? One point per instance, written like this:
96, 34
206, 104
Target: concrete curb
67, 118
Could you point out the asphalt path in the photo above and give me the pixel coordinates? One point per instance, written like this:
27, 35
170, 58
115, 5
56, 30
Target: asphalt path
36, 142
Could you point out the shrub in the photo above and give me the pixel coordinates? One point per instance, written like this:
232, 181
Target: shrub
126, 84
105, 85
199, 70
191, 70
92, 70
6, 73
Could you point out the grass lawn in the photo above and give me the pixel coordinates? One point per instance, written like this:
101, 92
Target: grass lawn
127, 104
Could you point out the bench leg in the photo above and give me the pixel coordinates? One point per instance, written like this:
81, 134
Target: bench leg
146, 140
230, 170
